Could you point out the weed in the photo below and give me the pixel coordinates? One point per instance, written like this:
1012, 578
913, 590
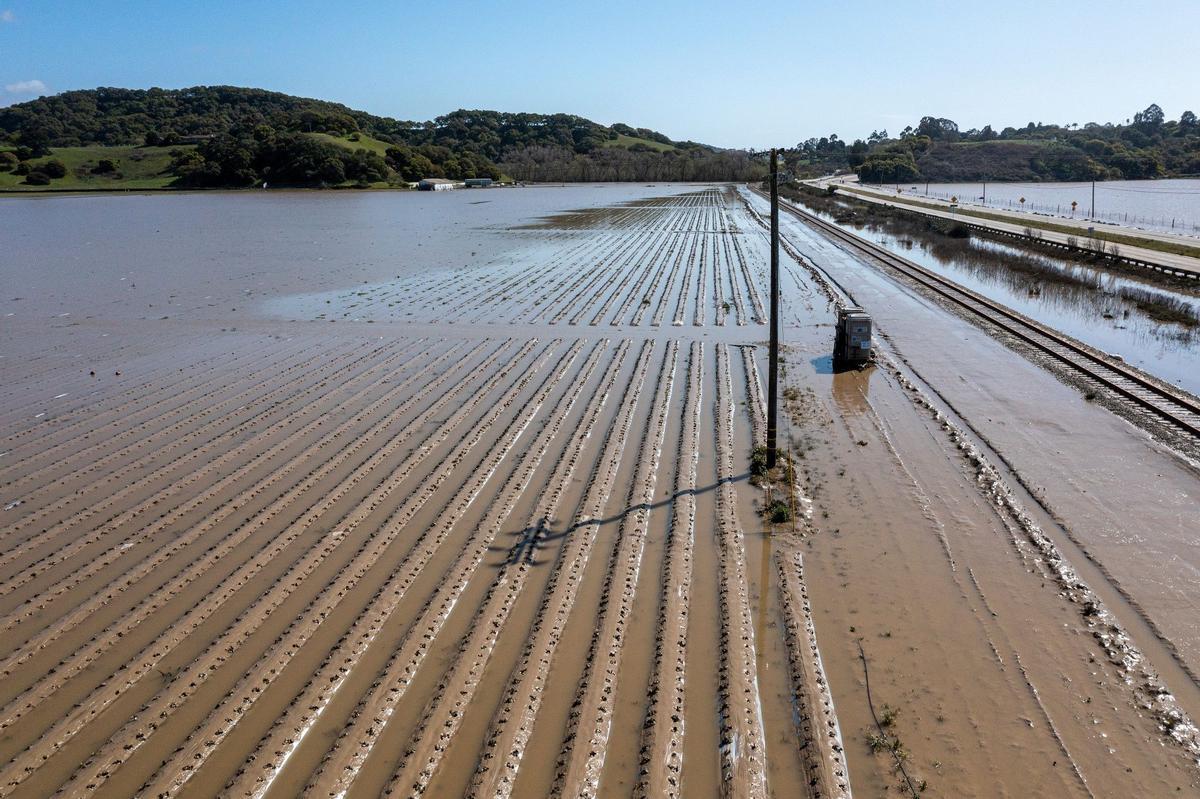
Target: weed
758, 463
878, 743
779, 512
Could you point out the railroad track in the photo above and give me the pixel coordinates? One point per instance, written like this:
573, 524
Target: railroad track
1181, 412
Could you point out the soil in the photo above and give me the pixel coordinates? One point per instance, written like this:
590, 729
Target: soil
492, 532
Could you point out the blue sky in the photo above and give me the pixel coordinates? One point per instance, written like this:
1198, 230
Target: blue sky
748, 75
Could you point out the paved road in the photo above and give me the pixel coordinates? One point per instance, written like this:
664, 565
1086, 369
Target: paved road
1182, 263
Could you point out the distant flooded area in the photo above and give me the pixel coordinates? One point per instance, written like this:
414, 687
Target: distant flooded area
1160, 205
1154, 328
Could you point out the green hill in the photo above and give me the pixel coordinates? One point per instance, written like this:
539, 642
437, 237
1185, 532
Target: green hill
229, 136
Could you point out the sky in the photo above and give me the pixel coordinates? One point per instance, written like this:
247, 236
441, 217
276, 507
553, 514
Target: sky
729, 74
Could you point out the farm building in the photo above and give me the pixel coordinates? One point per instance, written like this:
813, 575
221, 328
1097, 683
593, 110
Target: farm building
436, 184
477, 183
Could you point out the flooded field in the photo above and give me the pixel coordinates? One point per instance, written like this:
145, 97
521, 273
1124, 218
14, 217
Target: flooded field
1154, 328
1169, 206
448, 495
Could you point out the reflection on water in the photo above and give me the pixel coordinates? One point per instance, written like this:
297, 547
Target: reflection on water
1168, 205
823, 365
850, 391
1149, 326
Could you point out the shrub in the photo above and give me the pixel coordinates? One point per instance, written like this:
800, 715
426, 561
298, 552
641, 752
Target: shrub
21, 169
758, 462
54, 168
104, 167
7, 161
37, 179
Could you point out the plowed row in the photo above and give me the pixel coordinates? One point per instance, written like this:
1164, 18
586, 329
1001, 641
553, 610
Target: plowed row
682, 262
457, 563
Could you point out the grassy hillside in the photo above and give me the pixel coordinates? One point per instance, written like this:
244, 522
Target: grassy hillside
136, 168
633, 142
354, 141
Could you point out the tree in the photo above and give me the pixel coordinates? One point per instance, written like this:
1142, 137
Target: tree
331, 172
37, 140
7, 161
938, 128
1150, 119
37, 179
1187, 121
857, 154
409, 164
104, 166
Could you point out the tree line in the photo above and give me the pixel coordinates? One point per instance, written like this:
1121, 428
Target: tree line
1147, 145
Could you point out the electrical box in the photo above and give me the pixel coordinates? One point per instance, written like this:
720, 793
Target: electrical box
852, 341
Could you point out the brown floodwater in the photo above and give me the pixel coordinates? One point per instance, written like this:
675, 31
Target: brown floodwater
447, 494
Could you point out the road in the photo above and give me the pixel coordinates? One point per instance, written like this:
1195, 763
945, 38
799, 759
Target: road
937, 208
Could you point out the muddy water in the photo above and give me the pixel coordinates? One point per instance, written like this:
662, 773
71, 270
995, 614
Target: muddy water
1031, 424
337, 494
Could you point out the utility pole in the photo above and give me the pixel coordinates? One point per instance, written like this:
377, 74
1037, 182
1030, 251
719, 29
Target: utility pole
1092, 215
985, 192
773, 368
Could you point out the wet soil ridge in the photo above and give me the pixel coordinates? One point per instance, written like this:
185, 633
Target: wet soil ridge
817, 725
99, 644
512, 726
365, 629
627, 267
132, 577
743, 746
352, 564
661, 755
581, 762
492, 534
442, 716
180, 685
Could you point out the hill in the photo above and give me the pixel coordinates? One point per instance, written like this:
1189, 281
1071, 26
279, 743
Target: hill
1148, 146
231, 136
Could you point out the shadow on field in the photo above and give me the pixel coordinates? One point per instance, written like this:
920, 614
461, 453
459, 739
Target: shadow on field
535, 538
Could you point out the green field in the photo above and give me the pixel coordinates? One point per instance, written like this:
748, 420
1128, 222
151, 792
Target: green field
137, 168
626, 141
364, 142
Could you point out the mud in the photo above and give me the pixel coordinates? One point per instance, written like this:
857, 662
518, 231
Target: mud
402, 495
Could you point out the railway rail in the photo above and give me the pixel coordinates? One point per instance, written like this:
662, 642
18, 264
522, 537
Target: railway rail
1181, 412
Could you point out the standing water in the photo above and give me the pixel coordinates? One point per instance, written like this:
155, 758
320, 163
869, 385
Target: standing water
1157, 205
1153, 328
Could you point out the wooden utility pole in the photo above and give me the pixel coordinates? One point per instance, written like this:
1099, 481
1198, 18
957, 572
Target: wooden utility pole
773, 367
